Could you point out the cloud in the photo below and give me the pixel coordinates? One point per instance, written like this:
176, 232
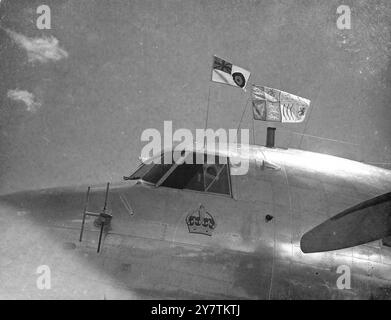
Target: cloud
26, 97
39, 49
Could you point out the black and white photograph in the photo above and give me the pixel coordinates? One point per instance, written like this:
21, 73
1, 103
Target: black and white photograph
195, 150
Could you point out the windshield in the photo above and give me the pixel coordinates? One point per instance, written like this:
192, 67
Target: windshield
204, 177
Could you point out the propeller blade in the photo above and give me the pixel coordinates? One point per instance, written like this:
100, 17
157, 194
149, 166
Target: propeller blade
368, 221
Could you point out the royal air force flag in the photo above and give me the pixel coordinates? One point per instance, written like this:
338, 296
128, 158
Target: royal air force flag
274, 105
226, 72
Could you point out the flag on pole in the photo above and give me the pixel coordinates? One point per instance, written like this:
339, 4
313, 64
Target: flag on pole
274, 105
226, 72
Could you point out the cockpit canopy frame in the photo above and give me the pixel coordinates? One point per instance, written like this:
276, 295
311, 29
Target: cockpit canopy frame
189, 170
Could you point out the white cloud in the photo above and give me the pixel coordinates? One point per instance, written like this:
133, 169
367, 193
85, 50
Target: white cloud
39, 49
26, 97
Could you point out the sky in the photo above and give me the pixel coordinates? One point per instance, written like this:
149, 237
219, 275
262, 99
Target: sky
75, 99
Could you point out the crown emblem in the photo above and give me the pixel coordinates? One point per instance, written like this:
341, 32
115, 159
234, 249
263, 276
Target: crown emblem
200, 221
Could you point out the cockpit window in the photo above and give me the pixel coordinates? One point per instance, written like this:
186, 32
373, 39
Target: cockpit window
186, 176
220, 182
140, 172
206, 177
201, 177
157, 171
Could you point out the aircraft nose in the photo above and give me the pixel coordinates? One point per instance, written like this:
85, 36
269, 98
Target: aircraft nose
9, 202
45, 204
11, 215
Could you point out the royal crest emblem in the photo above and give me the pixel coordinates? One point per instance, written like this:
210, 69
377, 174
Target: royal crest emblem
200, 221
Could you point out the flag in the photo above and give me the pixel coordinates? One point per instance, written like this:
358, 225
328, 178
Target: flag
226, 72
274, 105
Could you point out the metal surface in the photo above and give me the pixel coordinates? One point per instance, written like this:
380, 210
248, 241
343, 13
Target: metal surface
152, 253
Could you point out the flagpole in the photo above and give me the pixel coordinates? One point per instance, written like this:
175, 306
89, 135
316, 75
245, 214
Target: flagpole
207, 116
241, 118
305, 127
253, 130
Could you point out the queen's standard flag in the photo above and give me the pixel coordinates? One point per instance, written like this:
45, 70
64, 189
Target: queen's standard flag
274, 105
226, 72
